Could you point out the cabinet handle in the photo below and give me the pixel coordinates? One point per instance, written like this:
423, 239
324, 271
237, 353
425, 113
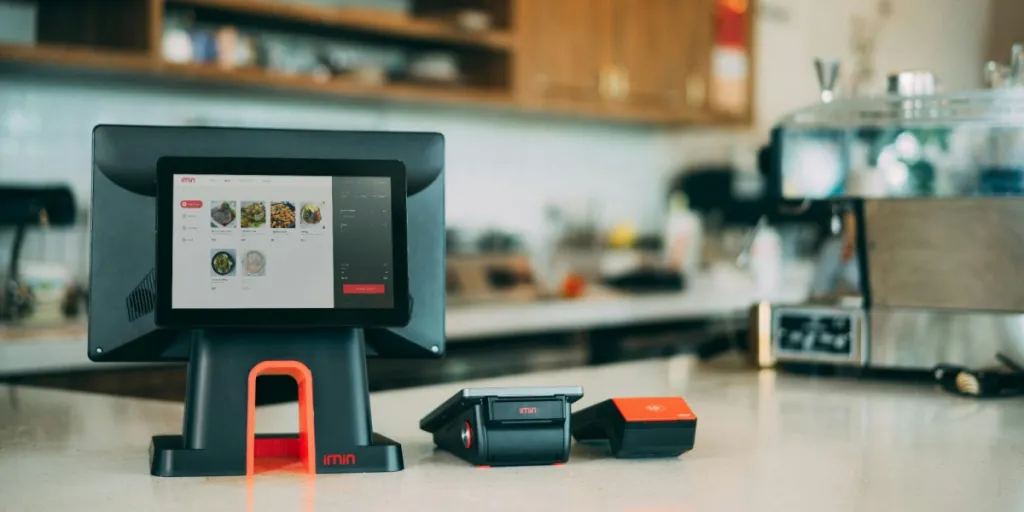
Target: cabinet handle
696, 91
625, 84
540, 82
614, 83
604, 82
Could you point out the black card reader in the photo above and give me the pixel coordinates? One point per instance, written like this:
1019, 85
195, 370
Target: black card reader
505, 426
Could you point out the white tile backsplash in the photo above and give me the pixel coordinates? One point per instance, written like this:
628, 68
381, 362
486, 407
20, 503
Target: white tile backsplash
503, 167
18, 22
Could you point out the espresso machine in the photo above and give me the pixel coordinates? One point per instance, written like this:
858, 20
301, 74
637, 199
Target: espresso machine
924, 264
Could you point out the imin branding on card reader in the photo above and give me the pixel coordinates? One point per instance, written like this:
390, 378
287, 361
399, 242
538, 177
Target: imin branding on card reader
527, 410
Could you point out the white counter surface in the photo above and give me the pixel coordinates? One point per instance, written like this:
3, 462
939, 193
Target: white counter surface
765, 441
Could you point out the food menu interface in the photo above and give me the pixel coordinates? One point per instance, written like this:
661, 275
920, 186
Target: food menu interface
282, 242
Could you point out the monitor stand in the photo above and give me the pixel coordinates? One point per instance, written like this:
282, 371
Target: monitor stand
218, 437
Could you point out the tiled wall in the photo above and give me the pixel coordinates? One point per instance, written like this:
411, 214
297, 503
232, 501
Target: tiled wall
503, 168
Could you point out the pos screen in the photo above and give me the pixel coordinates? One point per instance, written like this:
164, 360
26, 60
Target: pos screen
281, 242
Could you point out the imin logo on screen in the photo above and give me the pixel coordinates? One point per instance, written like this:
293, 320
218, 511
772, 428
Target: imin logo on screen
339, 459
188, 179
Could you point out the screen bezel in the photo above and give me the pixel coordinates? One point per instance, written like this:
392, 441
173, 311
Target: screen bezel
166, 316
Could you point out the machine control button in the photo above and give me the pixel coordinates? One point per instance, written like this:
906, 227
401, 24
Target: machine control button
827, 339
840, 342
467, 435
809, 341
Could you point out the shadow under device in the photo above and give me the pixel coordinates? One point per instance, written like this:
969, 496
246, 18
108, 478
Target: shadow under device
249, 252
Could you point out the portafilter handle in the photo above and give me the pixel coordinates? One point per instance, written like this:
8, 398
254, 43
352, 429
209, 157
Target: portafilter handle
828, 75
1017, 65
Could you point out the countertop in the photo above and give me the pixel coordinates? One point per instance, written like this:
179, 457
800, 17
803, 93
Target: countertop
765, 441
725, 295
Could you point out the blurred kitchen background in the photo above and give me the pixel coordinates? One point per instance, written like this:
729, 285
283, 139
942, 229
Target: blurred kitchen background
603, 172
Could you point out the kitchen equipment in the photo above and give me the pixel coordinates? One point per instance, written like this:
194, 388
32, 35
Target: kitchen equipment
683, 236
490, 277
21, 208
912, 83
827, 71
48, 285
987, 383
1017, 65
996, 74
924, 270
647, 280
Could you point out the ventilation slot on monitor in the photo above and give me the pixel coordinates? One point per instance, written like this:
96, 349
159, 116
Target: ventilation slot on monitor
142, 300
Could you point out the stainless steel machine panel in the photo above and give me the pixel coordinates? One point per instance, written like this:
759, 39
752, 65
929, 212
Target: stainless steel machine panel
950, 253
921, 338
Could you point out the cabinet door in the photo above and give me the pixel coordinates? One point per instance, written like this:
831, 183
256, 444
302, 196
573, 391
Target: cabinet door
562, 49
657, 45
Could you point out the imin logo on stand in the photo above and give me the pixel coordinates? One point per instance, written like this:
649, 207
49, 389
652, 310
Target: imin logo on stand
339, 459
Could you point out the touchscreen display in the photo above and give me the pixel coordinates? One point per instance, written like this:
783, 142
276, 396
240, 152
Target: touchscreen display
281, 242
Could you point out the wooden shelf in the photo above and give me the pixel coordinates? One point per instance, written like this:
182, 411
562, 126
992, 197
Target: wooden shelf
363, 20
130, 64
137, 64
70, 56
340, 86
513, 68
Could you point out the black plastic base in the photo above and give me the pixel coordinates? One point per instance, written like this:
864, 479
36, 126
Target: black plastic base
168, 457
217, 405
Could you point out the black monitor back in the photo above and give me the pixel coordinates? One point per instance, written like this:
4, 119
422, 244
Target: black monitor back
122, 279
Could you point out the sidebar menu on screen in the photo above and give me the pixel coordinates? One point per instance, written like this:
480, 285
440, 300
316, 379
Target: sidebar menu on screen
363, 242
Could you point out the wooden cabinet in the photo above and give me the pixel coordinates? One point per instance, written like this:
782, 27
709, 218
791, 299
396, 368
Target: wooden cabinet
656, 45
646, 60
561, 53
642, 61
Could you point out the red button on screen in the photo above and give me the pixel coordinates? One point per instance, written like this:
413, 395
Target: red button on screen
191, 204
363, 289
